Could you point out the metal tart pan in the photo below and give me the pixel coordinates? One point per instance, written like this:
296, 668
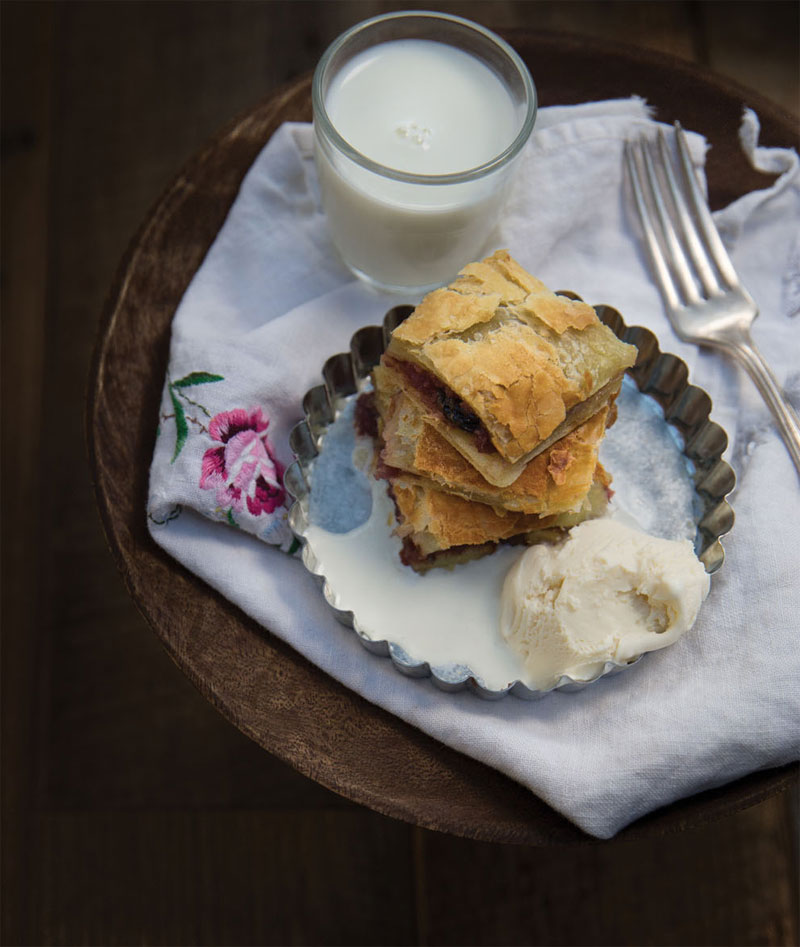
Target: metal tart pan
662, 376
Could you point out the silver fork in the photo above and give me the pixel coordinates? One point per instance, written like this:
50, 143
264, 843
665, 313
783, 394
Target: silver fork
703, 296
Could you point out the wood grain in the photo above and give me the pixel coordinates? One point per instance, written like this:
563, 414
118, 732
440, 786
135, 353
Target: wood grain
253, 678
622, 893
26, 117
205, 877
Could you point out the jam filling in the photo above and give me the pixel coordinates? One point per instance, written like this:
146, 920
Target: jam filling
410, 554
442, 400
384, 471
365, 417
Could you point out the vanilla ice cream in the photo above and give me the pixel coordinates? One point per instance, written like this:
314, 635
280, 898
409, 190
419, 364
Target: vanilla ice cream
609, 593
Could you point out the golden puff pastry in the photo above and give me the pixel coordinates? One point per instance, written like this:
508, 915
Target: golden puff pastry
442, 530
505, 366
555, 481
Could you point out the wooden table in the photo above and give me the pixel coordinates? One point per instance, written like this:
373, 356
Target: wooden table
376, 759
137, 813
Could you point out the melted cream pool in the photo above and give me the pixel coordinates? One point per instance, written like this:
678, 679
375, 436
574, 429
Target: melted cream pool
450, 618
447, 618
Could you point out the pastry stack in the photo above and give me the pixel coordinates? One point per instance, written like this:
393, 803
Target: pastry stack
490, 402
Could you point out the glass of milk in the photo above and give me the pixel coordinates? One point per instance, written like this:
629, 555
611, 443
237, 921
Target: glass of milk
419, 120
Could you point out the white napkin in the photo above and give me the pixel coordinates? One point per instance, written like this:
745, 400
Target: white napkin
271, 302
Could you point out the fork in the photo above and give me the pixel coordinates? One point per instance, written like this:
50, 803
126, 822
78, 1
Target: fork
703, 295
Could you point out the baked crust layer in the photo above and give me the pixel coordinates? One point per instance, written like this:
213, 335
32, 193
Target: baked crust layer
431, 522
555, 481
521, 358
496, 470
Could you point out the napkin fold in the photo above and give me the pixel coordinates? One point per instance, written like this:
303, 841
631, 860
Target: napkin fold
271, 302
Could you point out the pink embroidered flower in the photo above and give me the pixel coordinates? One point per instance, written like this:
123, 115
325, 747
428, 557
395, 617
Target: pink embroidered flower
244, 469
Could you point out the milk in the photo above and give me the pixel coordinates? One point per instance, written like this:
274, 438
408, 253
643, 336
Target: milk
415, 107
421, 106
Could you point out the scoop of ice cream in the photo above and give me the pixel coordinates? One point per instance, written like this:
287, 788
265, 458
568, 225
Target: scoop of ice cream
609, 593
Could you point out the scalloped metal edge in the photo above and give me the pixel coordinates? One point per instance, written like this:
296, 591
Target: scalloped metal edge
661, 375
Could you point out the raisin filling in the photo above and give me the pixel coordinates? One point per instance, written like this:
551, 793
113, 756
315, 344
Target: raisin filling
365, 416
446, 403
457, 411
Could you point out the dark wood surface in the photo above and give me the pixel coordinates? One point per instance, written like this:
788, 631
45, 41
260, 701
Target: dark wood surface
132, 811
331, 734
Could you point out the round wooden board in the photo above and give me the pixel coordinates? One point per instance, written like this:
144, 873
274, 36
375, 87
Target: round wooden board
267, 690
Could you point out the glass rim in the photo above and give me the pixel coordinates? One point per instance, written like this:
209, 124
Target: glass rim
457, 177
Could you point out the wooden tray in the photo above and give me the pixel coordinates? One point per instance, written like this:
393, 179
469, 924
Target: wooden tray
332, 735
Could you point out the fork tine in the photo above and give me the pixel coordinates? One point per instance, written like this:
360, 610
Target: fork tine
697, 251
663, 274
677, 258
713, 243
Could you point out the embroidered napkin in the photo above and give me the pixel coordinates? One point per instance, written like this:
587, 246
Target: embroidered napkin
271, 303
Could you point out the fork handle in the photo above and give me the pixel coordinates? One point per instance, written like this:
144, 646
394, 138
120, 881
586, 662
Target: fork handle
742, 347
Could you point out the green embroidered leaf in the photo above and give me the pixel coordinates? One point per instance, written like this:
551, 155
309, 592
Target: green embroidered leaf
196, 378
181, 427
230, 519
